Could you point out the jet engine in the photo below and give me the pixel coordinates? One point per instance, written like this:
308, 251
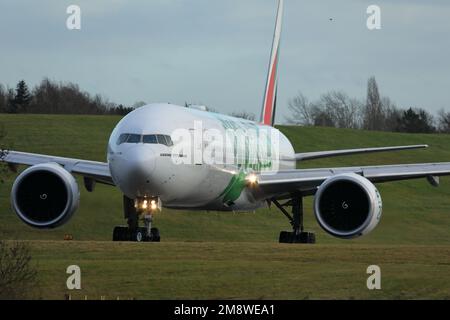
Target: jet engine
45, 195
347, 205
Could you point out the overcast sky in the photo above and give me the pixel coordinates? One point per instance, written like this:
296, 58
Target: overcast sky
215, 52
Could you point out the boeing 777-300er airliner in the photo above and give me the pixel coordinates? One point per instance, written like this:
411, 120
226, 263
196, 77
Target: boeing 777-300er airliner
142, 163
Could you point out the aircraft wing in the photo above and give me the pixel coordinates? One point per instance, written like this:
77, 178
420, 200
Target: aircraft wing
97, 171
284, 182
344, 152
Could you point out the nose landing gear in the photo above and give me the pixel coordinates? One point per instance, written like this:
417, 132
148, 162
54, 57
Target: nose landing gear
150, 234
134, 210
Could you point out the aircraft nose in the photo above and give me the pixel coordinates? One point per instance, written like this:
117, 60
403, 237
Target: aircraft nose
140, 165
141, 160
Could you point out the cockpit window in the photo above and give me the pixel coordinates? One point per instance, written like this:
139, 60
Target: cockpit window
122, 138
134, 138
161, 139
150, 138
164, 139
169, 141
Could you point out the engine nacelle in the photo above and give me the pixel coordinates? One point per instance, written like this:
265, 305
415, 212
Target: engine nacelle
45, 195
347, 205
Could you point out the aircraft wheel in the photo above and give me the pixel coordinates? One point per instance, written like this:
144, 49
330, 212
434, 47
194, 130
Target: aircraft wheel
302, 237
120, 233
155, 235
285, 237
139, 235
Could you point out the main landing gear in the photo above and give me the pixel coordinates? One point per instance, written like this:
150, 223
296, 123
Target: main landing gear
297, 235
135, 210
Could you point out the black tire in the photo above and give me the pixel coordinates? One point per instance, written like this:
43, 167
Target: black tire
286, 237
307, 237
302, 237
155, 235
120, 233
116, 236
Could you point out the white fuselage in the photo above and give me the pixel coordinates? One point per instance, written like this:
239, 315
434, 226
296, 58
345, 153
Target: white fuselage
144, 168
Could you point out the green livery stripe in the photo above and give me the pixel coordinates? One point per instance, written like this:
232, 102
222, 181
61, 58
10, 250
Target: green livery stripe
234, 188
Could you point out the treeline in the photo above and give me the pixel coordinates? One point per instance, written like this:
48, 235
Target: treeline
332, 109
337, 109
55, 98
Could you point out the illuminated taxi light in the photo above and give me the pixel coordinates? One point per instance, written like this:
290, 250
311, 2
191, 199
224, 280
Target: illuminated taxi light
252, 179
153, 205
144, 204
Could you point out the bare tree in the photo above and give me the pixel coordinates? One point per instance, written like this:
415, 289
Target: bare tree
3, 167
17, 274
443, 121
3, 95
341, 108
391, 115
337, 109
67, 98
373, 113
11, 107
323, 119
333, 109
302, 111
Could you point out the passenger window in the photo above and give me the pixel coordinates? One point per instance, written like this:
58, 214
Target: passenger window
122, 138
151, 138
134, 138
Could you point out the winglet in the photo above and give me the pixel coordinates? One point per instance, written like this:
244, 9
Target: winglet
270, 94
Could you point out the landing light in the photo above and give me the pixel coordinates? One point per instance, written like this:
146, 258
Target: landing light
252, 179
151, 204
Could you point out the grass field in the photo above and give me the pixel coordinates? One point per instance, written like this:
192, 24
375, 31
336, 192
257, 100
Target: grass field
226, 255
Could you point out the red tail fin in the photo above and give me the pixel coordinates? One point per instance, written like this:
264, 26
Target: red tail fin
269, 103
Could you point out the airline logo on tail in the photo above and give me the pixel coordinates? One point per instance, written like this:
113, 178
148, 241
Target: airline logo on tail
270, 94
